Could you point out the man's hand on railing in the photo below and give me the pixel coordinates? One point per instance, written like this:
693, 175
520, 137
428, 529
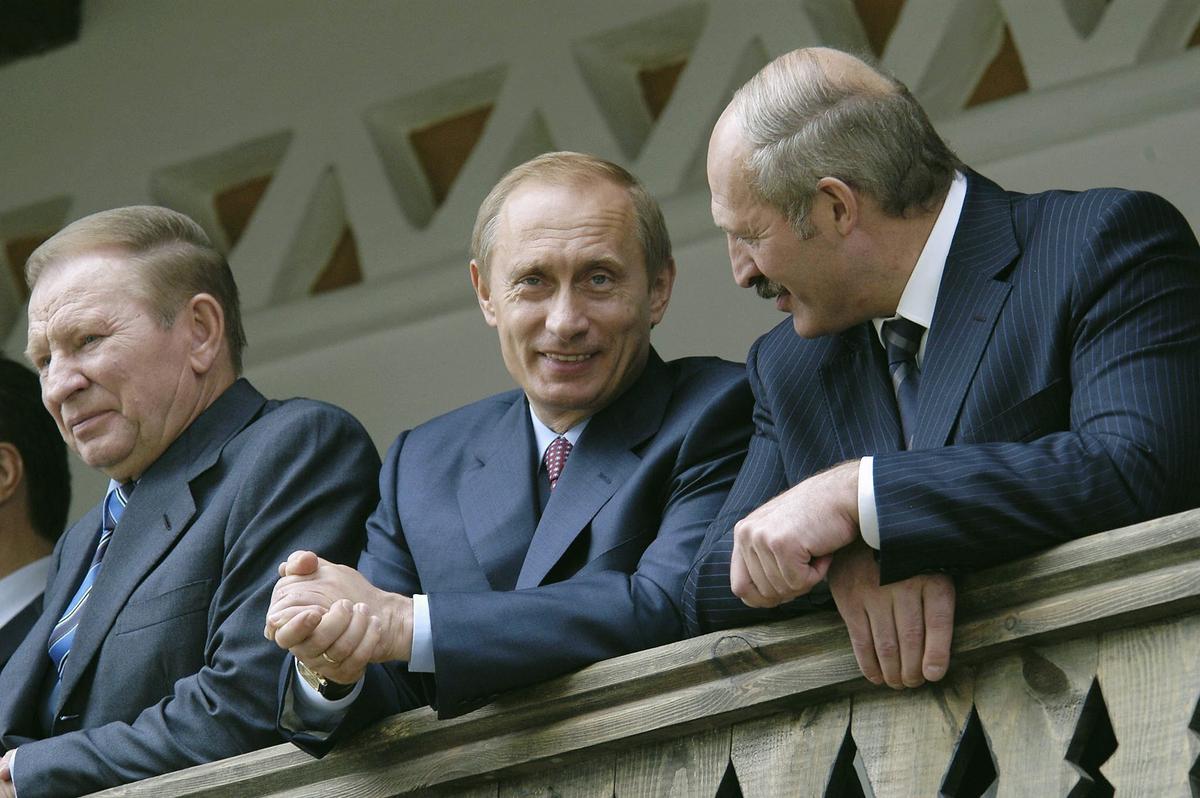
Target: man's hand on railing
900, 632
782, 549
335, 621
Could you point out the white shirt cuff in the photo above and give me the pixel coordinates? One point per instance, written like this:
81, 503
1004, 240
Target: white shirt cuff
421, 660
313, 703
868, 518
12, 772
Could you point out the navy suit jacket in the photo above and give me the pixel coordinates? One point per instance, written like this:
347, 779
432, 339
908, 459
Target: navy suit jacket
169, 666
1059, 394
599, 574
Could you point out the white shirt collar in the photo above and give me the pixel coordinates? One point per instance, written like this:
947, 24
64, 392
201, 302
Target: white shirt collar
21, 587
921, 292
545, 436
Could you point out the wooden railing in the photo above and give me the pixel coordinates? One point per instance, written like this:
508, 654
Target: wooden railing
1076, 671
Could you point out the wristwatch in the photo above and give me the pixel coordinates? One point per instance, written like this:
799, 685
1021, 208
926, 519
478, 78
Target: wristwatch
330, 691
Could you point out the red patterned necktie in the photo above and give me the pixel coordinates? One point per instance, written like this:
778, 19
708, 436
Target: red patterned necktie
556, 459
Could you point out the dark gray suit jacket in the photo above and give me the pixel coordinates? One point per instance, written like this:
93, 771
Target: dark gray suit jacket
170, 667
1059, 394
13, 632
517, 597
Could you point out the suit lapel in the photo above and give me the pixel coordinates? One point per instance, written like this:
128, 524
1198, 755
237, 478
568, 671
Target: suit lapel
158, 513
862, 406
599, 464
499, 499
969, 302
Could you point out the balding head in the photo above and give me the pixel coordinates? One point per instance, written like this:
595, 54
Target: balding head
819, 112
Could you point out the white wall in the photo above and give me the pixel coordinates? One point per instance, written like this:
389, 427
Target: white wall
167, 102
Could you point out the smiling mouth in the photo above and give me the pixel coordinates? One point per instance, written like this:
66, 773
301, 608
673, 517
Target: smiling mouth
567, 358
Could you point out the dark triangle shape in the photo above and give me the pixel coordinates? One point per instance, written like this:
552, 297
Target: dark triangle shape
843, 778
973, 769
729, 786
1091, 746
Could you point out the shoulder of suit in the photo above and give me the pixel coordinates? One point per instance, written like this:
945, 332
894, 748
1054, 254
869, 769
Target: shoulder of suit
477, 415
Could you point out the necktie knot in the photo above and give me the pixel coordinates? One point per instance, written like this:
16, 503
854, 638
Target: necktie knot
556, 458
902, 338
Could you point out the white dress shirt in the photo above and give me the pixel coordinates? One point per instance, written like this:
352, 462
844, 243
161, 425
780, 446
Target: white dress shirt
21, 587
917, 304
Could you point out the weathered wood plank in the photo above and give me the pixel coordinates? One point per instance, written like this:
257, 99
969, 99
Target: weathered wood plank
1029, 704
592, 779
1117, 578
1150, 678
907, 738
685, 767
791, 753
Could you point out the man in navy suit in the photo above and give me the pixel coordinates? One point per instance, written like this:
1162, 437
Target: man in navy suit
149, 656
969, 374
35, 492
537, 531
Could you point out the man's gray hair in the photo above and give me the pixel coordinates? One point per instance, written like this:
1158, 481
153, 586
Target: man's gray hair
803, 125
172, 257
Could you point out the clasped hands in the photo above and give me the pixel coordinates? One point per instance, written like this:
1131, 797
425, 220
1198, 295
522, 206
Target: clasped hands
335, 621
900, 632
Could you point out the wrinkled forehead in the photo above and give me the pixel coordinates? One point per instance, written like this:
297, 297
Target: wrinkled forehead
91, 285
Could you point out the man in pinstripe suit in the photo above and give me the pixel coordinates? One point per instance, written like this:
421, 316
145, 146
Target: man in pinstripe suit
1051, 388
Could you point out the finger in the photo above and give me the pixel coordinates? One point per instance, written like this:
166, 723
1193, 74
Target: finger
762, 585
739, 579
354, 663
909, 619
350, 639
939, 597
278, 619
332, 626
883, 636
301, 563
859, 628
297, 630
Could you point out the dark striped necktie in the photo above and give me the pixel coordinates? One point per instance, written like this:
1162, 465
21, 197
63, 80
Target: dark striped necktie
63, 634
902, 340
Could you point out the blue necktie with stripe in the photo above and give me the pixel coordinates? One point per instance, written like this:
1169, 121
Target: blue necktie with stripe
902, 340
63, 634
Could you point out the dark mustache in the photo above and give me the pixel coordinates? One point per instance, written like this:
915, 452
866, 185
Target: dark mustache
766, 288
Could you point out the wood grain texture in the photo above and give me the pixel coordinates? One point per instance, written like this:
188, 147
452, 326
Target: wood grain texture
791, 753
908, 738
1151, 680
686, 767
1116, 579
593, 779
1029, 704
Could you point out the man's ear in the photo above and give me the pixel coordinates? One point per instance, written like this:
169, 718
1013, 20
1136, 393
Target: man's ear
660, 291
206, 323
841, 202
12, 471
483, 292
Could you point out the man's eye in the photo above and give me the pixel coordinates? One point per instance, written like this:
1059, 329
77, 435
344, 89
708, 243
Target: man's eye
87, 339
530, 281
43, 363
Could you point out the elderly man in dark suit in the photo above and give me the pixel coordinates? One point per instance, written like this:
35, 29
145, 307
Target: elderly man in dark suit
968, 374
35, 492
537, 531
149, 654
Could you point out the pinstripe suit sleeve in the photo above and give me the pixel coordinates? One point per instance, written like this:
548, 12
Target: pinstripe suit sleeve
708, 602
1131, 336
